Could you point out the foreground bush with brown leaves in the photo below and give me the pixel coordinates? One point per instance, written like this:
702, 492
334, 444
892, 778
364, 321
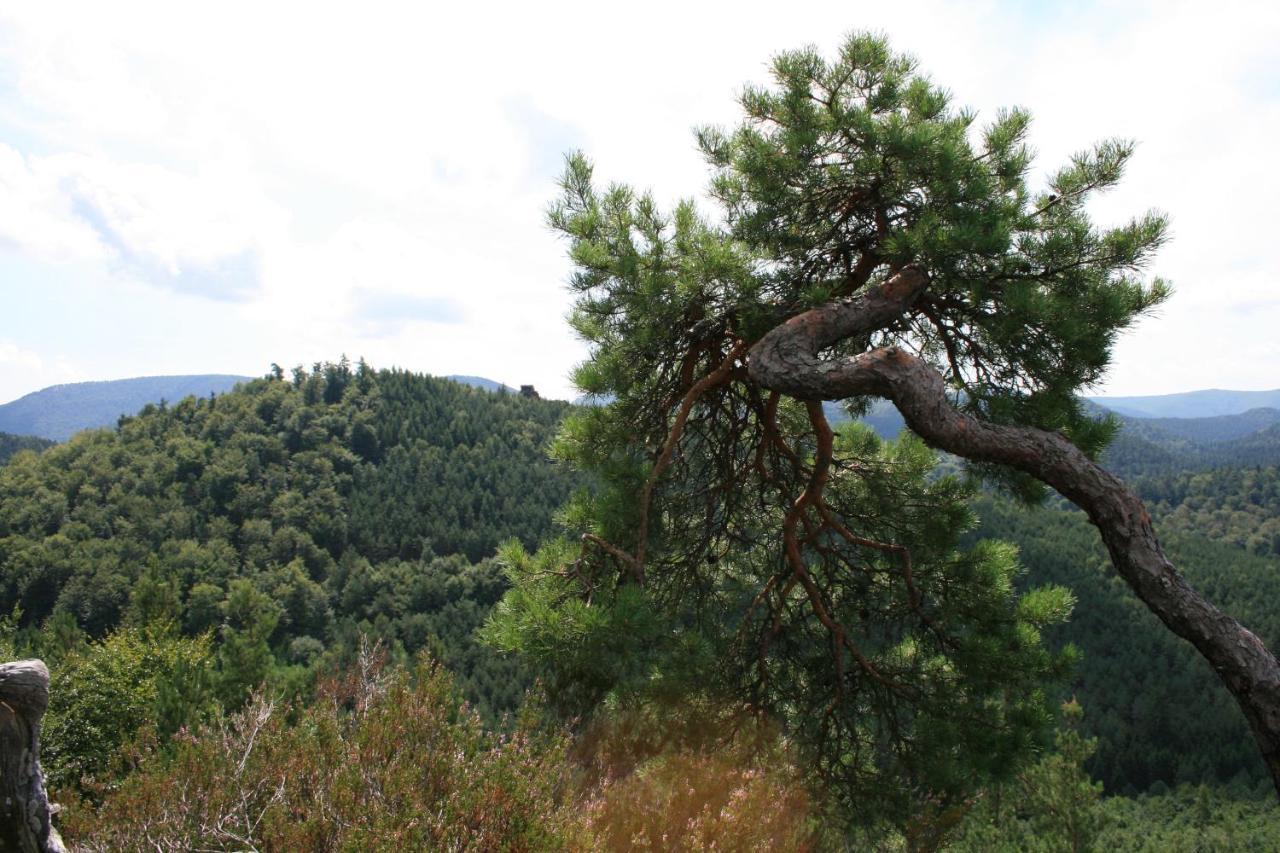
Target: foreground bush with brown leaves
395, 762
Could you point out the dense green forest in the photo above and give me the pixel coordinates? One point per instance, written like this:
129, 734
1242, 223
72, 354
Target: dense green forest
1213, 486
1156, 708
834, 552
1142, 450
172, 564
291, 515
11, 444
1237, 506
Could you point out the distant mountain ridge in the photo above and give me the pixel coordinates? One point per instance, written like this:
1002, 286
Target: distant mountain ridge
1148, 445
1247, 419
1211, 402
11, 444
480, 382
1203, 430
59, 412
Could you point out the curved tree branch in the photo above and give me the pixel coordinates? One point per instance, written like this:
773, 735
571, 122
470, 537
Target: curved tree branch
788, 360
715, 377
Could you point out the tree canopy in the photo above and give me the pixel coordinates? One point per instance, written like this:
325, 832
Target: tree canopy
288, 517
871, 240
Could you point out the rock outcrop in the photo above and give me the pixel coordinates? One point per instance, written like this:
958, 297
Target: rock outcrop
25, 815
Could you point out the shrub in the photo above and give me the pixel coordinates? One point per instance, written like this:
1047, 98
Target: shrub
375, 763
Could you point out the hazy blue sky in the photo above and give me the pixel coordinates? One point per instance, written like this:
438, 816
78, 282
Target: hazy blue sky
198, 188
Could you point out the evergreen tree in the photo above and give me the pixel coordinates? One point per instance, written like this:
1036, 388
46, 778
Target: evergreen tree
872, 241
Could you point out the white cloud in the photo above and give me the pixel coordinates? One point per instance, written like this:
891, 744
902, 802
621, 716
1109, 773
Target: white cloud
22, 371
36, 213
347, 172
198, 232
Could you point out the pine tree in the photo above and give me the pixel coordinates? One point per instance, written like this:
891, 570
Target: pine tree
872, 240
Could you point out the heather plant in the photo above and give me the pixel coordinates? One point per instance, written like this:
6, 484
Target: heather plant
378, 762
703, 801
389, 758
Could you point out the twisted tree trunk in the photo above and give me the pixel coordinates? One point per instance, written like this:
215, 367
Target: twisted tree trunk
788, 360
25, 825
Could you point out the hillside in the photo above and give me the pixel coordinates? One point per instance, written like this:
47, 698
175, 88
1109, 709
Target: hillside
59, 412
341, 502
1212, 484
1148, 446
1156, 707
1142, 450
11, 444
1205, 430
481, 383
1191, 404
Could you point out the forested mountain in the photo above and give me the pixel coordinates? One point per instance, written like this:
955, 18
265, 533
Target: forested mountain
1148, 446
276, 524
351, 499
1191, 404
1209, 430
880, 415
481, 383
1213, 486
1259, 448
58, 412
1237, 506
11, 444
1139, 451
292, 513
1155, 706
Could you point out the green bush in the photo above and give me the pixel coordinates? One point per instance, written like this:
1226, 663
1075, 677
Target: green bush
103, 694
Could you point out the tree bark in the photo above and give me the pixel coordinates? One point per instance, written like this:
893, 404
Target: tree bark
788, 360
25, 820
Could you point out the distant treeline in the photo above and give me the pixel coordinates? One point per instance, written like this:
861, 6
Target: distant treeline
11, 444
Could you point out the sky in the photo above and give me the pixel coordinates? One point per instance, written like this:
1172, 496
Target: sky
214, 187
